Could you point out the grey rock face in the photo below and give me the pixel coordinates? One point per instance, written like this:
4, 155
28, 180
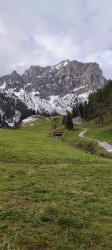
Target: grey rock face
64, 77
61, 79
14, 80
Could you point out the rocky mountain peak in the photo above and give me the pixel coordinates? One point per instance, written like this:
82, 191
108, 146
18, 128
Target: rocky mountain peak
61, 84
64, 77
14, 72
61, 64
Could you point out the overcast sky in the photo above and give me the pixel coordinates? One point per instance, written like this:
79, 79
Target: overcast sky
45, 32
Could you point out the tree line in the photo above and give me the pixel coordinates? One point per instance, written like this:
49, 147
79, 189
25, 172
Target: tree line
98, 105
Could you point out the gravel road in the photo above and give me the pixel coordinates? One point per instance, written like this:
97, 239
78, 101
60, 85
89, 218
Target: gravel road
103, 144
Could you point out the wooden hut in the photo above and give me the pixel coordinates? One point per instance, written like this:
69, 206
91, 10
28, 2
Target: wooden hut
77, 120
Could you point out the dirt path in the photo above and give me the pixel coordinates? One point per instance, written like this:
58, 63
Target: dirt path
103, 144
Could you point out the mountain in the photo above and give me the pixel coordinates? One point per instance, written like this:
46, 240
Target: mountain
58, 87
63, 78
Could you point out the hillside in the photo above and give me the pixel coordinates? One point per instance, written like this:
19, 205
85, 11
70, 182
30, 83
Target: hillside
53, 196
12, 111
99, 104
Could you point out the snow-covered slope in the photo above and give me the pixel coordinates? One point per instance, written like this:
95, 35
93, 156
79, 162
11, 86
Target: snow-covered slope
12, 109
9, 120
68, 101
57, 103
33, 101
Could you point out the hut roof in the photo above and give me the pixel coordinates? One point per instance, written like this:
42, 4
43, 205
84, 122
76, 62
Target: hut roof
77, 120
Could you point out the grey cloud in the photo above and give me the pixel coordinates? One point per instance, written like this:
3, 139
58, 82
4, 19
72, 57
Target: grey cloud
44, 32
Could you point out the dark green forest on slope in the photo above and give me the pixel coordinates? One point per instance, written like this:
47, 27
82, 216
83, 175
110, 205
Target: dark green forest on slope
99, 104
8, 105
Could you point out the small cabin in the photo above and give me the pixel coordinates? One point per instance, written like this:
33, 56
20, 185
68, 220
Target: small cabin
77, 120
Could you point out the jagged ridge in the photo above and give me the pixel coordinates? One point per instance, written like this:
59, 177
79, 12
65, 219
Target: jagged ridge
54, 87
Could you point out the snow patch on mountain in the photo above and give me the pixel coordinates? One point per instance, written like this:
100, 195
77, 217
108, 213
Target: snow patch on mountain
11, 122
59, 65
84, 97
1, 113
77, 89
56, 103
68, 101
33, 101
3, 86
14, 120
53, 99
40, 76
29, 84
34, 93
43, 105
23, 96
30, 119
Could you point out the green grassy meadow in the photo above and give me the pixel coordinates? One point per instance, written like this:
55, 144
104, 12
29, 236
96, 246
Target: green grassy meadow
52, 194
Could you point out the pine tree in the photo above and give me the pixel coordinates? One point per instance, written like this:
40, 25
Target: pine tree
69, 123
64, 120
81, 109
75, 111
4, 119
55, 122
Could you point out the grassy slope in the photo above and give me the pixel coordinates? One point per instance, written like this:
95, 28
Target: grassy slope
101, 132
95, 131
52, 195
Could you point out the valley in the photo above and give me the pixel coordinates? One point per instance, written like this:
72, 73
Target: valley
55, 189
54, 195
55, 125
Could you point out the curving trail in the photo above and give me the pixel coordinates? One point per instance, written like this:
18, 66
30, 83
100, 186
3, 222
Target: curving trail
104, 144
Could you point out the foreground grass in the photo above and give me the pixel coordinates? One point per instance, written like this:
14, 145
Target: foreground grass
52, 195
